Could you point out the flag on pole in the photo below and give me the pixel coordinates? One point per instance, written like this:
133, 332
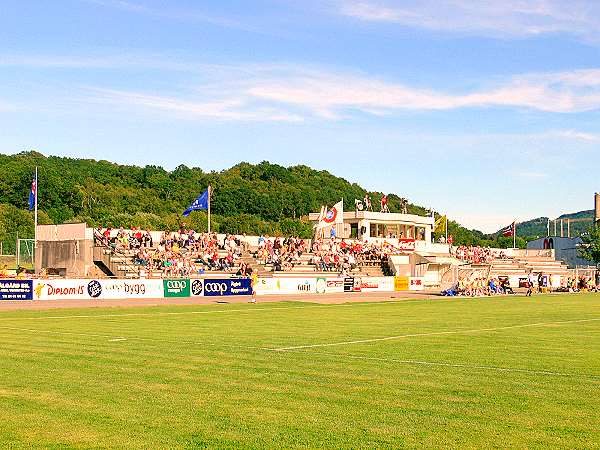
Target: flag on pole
331, 216
509, 230
440, 224
32, 194
201, 202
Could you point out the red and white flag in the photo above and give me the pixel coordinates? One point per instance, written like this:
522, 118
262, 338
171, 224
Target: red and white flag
509, 230
331, 216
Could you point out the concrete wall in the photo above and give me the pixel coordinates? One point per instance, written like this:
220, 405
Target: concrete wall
565, 250
70, 258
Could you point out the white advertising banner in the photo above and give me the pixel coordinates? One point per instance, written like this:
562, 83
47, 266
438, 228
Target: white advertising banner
268, 286
334, 285
79, 289
416, 284
60, 289
374, 284
116, 289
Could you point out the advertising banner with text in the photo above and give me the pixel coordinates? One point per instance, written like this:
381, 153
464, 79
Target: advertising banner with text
176, 288
16, 290
213, 287
117, 289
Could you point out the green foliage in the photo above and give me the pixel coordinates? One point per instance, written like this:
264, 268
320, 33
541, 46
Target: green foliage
590, 249
256, 199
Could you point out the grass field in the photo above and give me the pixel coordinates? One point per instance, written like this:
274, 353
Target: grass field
463, 373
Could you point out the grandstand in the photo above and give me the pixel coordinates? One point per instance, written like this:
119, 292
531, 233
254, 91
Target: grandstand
74, 250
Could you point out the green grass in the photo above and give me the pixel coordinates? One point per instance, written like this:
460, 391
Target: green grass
203, 376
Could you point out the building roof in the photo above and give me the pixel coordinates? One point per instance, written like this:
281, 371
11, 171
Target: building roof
382, 217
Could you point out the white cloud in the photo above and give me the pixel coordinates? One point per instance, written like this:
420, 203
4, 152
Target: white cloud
329, 95
292, 92
509, 18
577, 135
219, 109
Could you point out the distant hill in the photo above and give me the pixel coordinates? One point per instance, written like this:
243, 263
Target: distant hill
580, 223
262, 198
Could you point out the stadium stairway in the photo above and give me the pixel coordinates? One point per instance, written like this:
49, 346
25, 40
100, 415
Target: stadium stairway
545, 264
112, 264
520, 267
305, 268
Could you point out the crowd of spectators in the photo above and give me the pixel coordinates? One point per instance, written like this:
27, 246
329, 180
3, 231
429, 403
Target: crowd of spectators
176, 254
344, 256
282, 253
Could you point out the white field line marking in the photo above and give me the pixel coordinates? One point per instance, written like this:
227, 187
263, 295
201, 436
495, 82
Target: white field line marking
249, 309
453, 365
358, 357
435, 333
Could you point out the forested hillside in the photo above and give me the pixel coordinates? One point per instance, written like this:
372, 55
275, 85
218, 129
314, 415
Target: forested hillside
261, 198
580, 224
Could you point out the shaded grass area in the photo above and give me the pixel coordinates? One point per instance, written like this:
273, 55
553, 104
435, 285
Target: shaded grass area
453, 375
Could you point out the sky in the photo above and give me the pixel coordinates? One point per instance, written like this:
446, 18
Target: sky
488, 111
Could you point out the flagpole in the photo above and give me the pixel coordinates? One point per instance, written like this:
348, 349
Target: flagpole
446, 228
515, 234
35, 219
209, 208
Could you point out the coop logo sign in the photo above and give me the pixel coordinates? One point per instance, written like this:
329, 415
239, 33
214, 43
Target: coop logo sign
215, 287
176, 288
229, 286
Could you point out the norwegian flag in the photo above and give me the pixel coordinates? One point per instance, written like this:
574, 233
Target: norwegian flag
509, 230
32, 194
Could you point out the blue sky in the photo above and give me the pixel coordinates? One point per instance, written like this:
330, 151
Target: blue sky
487, 110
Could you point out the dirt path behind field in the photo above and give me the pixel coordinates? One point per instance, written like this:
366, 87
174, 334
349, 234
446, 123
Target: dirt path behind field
309, 298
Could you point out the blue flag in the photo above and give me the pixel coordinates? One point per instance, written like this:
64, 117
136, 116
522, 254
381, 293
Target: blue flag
32, 194
200, 203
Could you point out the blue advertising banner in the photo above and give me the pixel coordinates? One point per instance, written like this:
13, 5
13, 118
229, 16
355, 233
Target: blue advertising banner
227, 286
16, 289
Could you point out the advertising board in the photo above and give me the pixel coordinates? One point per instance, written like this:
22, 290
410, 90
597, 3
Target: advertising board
16, 290
352, 284
197, 287
176, 288
61, 289
416, 284
401, 283
374, 284
227, 286
117, 289
266, 286
334, 285
407, 245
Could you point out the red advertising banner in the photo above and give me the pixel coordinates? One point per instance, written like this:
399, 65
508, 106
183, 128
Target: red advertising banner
407, 245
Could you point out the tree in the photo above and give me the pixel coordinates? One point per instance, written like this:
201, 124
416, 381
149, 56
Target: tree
590, 248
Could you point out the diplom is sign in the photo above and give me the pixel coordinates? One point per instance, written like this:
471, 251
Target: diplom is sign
176, 288
16, 290
62, 289
227, 286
